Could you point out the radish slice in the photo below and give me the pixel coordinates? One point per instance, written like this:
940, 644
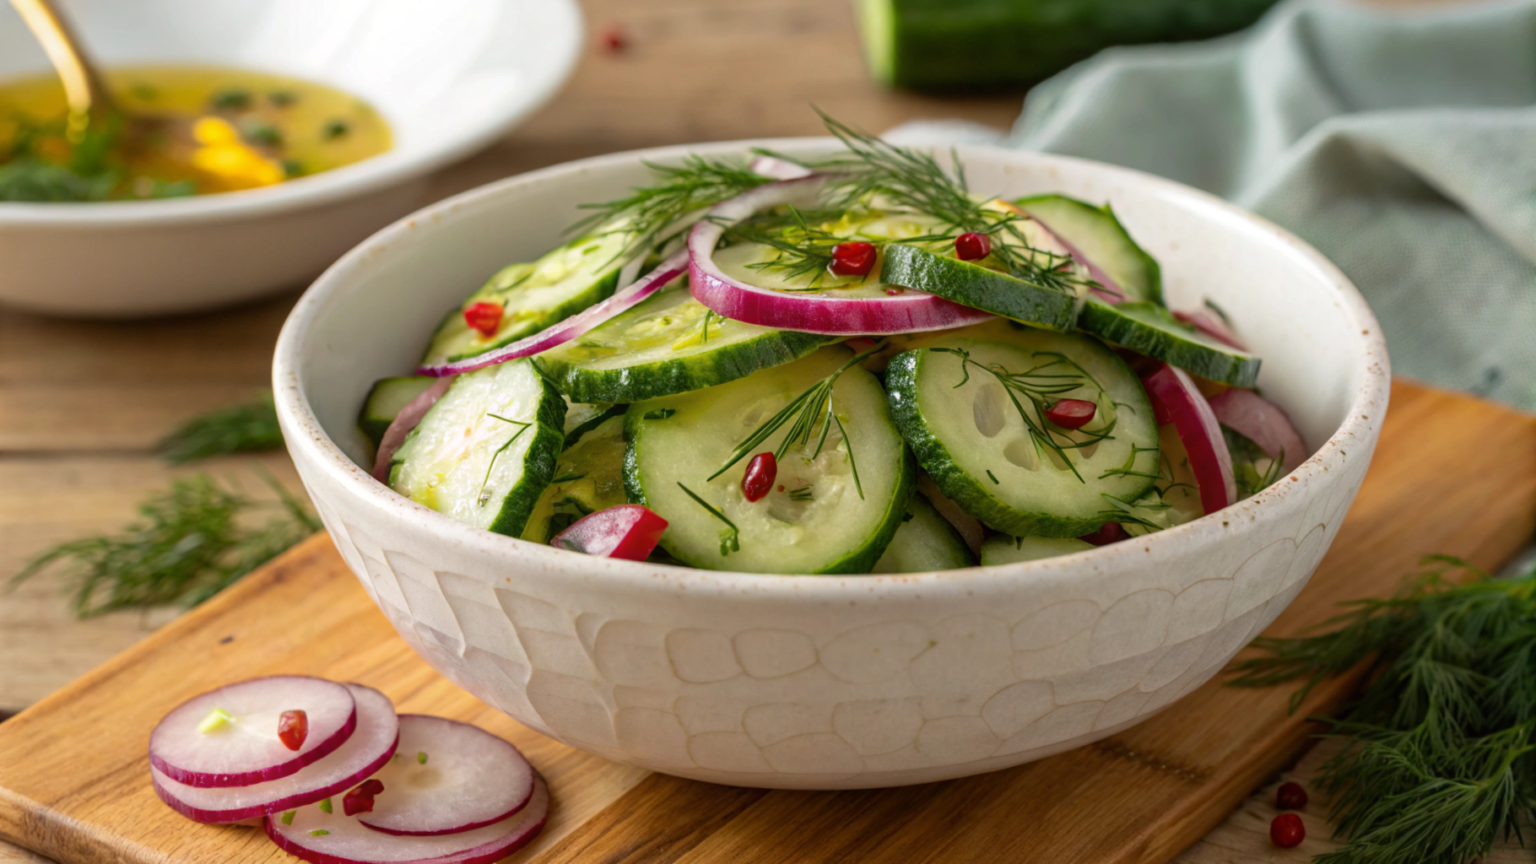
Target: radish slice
572, 327
245, 748
378, 732
1211, 326
448, 778
628, 531
1176, 400
332, 838
824, 313
778, 169
402, 425
1262, 422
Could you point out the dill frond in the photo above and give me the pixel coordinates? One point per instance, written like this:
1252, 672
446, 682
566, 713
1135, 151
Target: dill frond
248, 428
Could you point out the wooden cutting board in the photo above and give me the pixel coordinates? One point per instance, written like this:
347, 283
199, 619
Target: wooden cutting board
1452, 475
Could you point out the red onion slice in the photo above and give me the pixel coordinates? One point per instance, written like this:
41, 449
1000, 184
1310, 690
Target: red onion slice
1175, 397
1107, 289
778, 169
402, 425
245, 749
378, 733
572, 327
907, 312
333, 838
447, 778
1262, 422
1211, 326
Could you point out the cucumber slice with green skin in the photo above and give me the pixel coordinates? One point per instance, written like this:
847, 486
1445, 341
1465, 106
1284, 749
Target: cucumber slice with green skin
534, 296
967, 428
589, 476
1095, 233
1001, 549
972, 284
671, 343
583, 417
385, 400
969, 45
1152, 330
924, 543
486, 450
820, 522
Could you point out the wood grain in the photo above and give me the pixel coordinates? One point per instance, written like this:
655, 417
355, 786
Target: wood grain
73, 769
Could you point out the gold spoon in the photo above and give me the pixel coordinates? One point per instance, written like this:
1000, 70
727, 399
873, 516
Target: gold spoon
206, 147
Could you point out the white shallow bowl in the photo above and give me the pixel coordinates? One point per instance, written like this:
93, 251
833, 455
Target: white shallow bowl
833, 681
450, 76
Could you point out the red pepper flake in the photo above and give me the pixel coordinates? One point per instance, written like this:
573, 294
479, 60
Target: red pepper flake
360, 800
292, 728
1291, 796
854, 258
484, 318
760, 475
781, 487
1287, 831
612, 39
1109, 532
971, 245
1071, 413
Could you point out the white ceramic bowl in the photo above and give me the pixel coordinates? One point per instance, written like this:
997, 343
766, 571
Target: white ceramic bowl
845, 681
450, 76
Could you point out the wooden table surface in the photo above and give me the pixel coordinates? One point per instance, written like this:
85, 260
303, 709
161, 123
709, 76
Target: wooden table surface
81, 403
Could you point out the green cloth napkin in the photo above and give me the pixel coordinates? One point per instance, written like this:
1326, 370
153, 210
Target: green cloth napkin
1400, 143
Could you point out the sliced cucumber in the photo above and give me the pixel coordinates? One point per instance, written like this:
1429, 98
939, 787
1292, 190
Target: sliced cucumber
970, 283
832, 511
385, 400
925, 542
1173, 499
1097, 233
1001, 549
671, 343
972, 411
534, 296
766, 266
589, 476
486, 450
583, 417
1151, 330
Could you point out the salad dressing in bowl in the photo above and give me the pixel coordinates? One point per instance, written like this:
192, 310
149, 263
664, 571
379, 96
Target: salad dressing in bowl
253, 129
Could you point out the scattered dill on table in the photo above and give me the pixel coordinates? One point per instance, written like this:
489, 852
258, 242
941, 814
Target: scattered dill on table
187, 545
1439, 757
194, 539
246, 428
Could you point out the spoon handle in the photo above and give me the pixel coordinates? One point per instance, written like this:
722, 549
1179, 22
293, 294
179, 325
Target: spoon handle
84, 88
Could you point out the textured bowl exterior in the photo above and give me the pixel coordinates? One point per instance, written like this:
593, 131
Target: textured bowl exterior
836, 682
450, 76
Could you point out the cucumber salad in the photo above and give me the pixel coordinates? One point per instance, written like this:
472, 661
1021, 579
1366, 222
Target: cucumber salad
853, 364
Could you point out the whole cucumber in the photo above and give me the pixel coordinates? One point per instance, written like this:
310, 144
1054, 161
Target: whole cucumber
954, 44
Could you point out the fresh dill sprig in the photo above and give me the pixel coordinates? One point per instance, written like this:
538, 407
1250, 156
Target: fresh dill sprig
680, 192
909, 180
188, 545
806, 414
803, 249
1058, 376
730, 535
1439, 756
802, 493
483, 497
246, 428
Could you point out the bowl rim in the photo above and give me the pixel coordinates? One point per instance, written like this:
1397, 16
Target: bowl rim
373, 174
1361, 425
